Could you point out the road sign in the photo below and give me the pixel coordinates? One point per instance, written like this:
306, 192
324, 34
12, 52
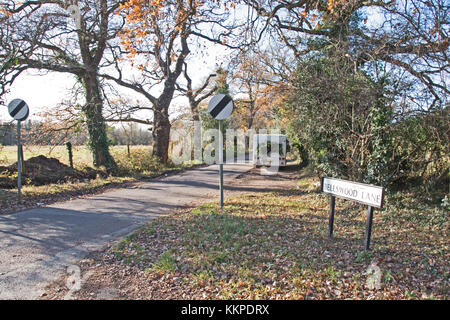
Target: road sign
18, 109
221, 106
367, 194
364, 193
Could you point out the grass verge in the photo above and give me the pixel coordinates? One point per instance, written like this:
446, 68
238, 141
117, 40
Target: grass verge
275, 246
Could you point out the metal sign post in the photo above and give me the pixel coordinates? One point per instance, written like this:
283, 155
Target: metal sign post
220, 108
18, 109
19, 163
331, 218
368, 228
221, 163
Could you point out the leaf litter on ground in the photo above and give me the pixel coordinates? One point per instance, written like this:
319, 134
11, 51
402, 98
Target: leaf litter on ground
275, 245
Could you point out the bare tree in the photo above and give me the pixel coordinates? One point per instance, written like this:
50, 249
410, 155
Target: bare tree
197, 96
409, 37
253, 77
42, 35
160, 39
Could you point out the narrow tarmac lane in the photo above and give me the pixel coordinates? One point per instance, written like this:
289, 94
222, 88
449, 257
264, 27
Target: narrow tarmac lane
38, 245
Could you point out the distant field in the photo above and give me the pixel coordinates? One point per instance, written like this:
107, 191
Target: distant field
81, 154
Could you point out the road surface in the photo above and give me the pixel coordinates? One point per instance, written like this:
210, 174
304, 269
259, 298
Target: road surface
37, 245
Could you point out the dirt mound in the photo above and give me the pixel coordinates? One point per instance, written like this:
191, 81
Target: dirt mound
41, 170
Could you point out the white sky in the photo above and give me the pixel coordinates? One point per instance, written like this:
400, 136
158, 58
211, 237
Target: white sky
46, 91
41, 92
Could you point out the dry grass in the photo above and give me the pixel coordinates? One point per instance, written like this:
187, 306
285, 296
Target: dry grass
81, 154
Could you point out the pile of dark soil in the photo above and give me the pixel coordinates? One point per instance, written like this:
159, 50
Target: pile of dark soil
41, 170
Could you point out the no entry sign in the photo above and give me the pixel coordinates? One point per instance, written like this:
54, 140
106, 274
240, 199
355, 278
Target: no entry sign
18, 109
221, 106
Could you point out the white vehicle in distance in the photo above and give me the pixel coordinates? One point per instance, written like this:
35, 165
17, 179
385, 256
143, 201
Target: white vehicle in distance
269, 150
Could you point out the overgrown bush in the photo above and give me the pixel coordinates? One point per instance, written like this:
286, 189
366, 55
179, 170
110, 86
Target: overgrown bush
350, 128
139, 161
422, 148
342, 120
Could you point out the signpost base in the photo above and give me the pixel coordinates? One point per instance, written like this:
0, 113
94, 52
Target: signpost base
221, 185
331, 218
368, 228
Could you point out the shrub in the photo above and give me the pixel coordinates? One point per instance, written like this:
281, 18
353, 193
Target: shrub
139, 161
342, 120
351, 128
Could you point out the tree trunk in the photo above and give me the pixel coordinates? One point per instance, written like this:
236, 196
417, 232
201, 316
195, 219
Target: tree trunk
194, 111
98, 142
161, 122
250, 122
251, 115
161, 134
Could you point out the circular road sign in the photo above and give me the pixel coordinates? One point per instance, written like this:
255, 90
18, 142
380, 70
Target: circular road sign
18, 109
221, 106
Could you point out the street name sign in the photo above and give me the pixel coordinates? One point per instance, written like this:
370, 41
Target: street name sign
368, 194
363, 193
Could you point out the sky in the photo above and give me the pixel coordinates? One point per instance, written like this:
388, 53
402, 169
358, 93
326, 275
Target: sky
38, 92
46, 91
42, 92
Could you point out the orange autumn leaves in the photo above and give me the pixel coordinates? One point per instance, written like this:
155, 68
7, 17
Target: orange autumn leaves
142, 15
5, 12
155, 18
